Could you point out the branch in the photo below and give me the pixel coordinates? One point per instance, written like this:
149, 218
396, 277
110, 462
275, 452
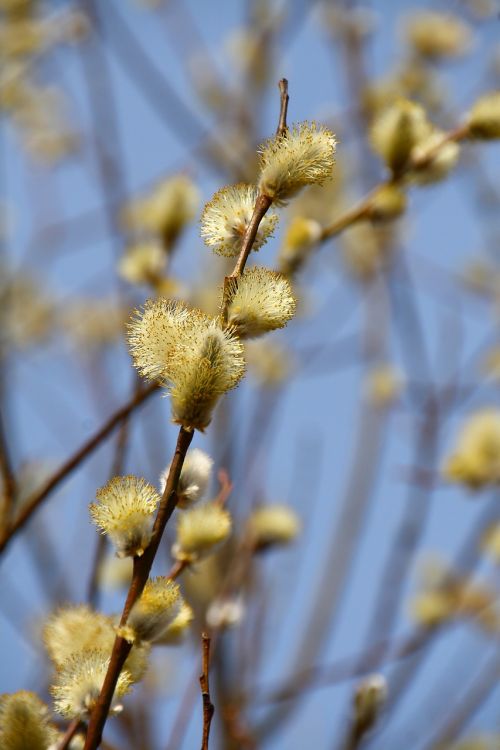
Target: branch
70, 732
362, 209
282, 128
143, 565
71, 463
8, 478
461, 713
208, 707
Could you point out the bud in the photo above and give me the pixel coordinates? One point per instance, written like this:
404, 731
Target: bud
25, 722
396, 131
434, 164
302, 156
269, 363
259, 301
438, 35
143, 263
484, 118
475, 461
369, 698
384, 385
300, 237
226, 217
156, 608
125, 512
194, 479
165, 211
200, 529
225, 613
271, 525
387, 203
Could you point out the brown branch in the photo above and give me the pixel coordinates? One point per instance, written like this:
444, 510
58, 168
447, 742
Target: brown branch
142, 568
143, 565
8, 479
71, 463
282, 128
370, 658
70, 732
461, 713
208, 707
362, 209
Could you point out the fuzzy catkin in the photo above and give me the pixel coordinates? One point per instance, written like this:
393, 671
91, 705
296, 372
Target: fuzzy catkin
259, 301
226, 217
302, 156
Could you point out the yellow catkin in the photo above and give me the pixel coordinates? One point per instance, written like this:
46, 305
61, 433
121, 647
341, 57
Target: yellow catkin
79, 681
397, 130
25, 722
125, 511
438, 35
76, 628
302, 156
190, 354
484, 117
259, 301
156, 608
226, 217
271, 525
475, 461
200, 529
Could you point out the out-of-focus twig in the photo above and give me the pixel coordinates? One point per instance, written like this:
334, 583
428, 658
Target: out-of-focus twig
75, 460
208, 707
8, 478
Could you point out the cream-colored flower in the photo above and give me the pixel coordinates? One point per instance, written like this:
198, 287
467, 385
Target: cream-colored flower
143, 263
475, 461
78, 628
484, 118
260, 300
157, 607
226, 217
25, 722
300, 238
302, 156
78, 683
124, 511
435, 164
271, 525
438, 35
165, 210
194, 479
200, 529
190, 353
397, 130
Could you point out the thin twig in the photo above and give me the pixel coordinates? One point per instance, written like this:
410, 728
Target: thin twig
208, 707
461, 713
143, 565
71, 463
8, 478
362, 209
282, 128
70, 732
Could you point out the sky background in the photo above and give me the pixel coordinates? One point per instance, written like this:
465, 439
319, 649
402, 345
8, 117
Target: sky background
50, 409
